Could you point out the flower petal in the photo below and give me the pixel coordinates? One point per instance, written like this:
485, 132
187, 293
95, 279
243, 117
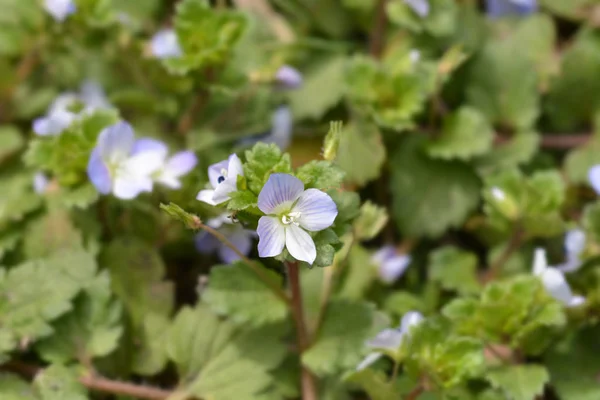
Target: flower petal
281, 128
271, 237
368, 360
299, 243
556, 285
59, 9
540, 263
116, 142
594, 178
92, 94
392, 269
141, 165
181, 163
574, 243
501, 8
206, 243
420, 7
279, 193
40, 183
165, 44
217, 170
576, 301
241, 240
234, 167
384, 254
206, 196
98, 173
389, 339
288, 77
144, 145
409, 320
223, 189
127, 188
317, 210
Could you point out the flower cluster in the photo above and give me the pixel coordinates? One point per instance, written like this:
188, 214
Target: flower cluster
126, 167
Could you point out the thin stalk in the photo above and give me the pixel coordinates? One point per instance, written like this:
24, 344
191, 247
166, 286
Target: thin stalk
308, 384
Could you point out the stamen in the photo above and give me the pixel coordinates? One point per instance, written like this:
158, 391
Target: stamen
291, 218
220, 179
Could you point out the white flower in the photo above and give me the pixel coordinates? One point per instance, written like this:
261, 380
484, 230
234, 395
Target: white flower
420, 7
554, 281
60, 9
116, 165
165, 44
291, 212
574, 247
391, 265
498, 193
223, 179
390, 339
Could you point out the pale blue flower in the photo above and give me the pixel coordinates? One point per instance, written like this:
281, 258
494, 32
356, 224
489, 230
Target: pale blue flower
391, 264
172, 168
554, 281
116, 166
574, 246
40, 183
60, 9
292, 212
165, 44
420, 7
281, 130
502, 8
241, 238
390, 339
594, 178
93, 97
223, 180
288, 77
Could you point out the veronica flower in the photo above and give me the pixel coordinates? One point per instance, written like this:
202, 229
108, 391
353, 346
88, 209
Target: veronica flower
281, 130
292, 212
172, 168
391, 264
390, 339
420, 7
594, 178
58, 118
40, 183
92, 96
288, 77
60, 9
165, 44
501, 8
241, 238
554, 281
223, 179
120, 165
574, 246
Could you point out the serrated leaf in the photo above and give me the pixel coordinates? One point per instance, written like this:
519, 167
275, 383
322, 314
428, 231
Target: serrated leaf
465, 134
241, 200
17, 198
320, 175
91, 330
322, 89
236, 291
519, 382
51, 233
58, 382
339, 343
454, 269
376, 384
263, 160
79, 197
150, 354
37, 292
519, 150
430, 196
225, 363
371, 220
579, 161
361, 153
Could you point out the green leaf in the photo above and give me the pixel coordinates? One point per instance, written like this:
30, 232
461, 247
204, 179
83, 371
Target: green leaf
20, 21
454, 269
591, 220
52, 233
359, 275
574, 9
190, 220
78, 197
361, 153
10, 141
18, 199
320, 175
241, 200
322, 89
465, 134
519, 382
206, 35
226, 363
58, 382
520, 149
376, 384
91, 330
237, 291
430, 196
150, 354
14, 388
339, 343
579, 161
263, 160
40, 291
371, 220
331, 143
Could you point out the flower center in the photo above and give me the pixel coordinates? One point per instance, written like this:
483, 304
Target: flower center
291, 218
221, 178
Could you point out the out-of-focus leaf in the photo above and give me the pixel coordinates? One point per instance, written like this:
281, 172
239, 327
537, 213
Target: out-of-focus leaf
519, 382
579, 161
371, 220
18, 198
361, 153
519, 150
53, 232
13, 387
430, 196
454, 269
19, 21
10, 141
58, 382
376, 384
320, 175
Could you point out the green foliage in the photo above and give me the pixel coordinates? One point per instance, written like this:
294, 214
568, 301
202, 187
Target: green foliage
430, 195
58, 383
12, 141
261, 162
375, 383
454, 270
520, 382
320, 175
238, 292
361, 153
370, 221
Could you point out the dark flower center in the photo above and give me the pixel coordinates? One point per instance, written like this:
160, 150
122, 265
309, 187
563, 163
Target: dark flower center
220, 179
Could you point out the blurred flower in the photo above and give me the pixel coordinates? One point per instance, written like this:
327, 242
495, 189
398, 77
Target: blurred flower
60, 9
281, 130
288, 77
574, 247
40, 183
172, 168
238, 236
223, 179
554, 281
291, 212
60, 115
391, 264
594, 178
501, 8
120, 165
165, 44
390, 339
414, 56
420, 7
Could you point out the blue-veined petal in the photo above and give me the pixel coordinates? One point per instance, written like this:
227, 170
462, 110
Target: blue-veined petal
206, 243
279, 193
223, 189
127, 188
503, 8
144, 145
299, 243
175, 167
234, 166
317, 210
271, 237
217, 172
